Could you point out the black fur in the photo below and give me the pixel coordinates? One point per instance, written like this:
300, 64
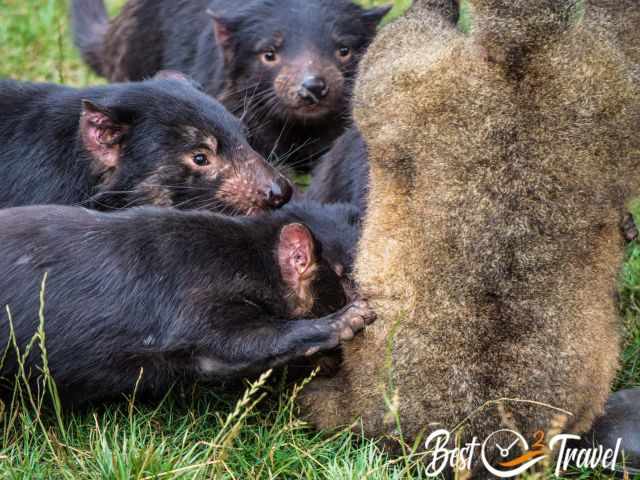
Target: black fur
342, 176
181, 295
621, 420
150, 35
45, 159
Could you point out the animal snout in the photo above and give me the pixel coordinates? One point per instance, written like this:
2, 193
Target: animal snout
278, 193
313, 89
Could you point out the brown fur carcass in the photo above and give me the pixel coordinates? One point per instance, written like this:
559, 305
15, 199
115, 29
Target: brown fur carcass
500, 164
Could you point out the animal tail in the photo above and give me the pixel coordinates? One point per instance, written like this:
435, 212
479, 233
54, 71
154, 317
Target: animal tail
90, 22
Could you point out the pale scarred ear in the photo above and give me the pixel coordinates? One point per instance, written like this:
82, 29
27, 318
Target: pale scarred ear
177, 76
172, 75
102, 135
296, 255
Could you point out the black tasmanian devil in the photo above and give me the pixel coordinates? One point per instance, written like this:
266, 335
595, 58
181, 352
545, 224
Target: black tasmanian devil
160, 142
181, 295
286, 66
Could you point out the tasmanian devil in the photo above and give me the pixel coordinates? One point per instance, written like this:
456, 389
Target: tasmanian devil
168, 295
160, 142
287, 66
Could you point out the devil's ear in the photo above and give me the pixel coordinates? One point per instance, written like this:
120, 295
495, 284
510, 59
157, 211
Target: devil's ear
374, 16
102, 134
296, 254
222, 28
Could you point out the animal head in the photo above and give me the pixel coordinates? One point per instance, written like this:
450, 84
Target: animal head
313, 287
164, 142
293, 58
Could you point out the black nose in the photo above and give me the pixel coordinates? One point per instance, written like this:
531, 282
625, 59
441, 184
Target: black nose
313, 89
280, 193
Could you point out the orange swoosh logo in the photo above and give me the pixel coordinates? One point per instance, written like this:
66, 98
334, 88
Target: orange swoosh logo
522, 459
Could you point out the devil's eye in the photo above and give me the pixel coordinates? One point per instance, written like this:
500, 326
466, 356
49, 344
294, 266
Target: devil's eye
270, 56
201, 160
344, 52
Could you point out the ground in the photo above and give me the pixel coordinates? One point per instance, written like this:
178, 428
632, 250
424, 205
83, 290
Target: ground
196, 434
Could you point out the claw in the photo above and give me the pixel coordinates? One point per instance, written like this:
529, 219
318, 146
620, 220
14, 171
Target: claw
347, 334
312, 351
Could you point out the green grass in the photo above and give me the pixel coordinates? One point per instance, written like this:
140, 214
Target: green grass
629, 375
200, 433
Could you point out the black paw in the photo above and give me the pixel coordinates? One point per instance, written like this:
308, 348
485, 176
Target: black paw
353, 319
345, 324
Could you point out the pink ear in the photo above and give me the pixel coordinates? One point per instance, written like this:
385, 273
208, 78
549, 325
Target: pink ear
296, 253
101, 134
221, 28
